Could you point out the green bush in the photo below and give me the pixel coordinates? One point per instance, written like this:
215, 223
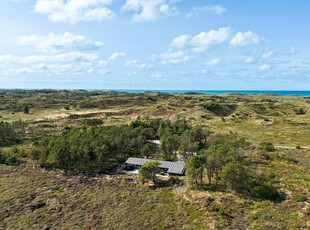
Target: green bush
220, 109
300, 197
2, 158
300, 111
237, 177
12, 160
92, 122
9, 159
35, 154
265, 191
174, 181
266, 147
148, 171
8, 133
26, 109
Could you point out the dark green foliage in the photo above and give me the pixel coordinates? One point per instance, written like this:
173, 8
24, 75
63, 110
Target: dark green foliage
217, 208
174, 181
262, 185
266, 147
226, 165
12, 160
149, 149
195, 169
221, 150
2, 157
9, 159
300, 111
148, 171
10, 133
265, 191
222, 110
92, 122
35, 154
99, 149
91, 149
89, 104
26, 109
169, 145
237, 176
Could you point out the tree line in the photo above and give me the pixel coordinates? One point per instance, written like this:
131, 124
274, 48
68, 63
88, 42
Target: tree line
224, 163
101, 148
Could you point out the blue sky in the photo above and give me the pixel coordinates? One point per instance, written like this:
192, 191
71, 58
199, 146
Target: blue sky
155, 44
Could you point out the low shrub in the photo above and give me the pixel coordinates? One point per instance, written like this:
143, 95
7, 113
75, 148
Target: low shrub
266, 147
174, 181
220, 109
266, 192
92, 122
300, 197
300, 111
9, 159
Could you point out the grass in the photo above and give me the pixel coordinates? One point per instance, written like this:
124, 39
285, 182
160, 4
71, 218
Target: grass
48, 199
259, 118
32, 198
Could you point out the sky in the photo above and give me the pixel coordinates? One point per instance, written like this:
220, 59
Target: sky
155, 44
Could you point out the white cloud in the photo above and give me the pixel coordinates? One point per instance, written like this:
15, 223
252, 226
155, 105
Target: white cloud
171, 57
54, 69
18, 1
267, 54
60, 63
9, 58
91, 70
213, 62
204, 40
73, 11
73, 63
264, 67
104, 63
63, 57
116, 55
136, 63
203, 71
59, 42
214, 9
181, 41
164, 8
149, 10
104, 72
249, 60
110, 60
156, 75
244, 39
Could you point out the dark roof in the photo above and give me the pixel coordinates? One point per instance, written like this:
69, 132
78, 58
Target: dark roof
177, 167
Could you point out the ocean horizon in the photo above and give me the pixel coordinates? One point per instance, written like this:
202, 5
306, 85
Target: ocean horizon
222, 92
303, 93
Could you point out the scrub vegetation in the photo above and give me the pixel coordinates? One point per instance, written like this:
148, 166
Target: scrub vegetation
61, 155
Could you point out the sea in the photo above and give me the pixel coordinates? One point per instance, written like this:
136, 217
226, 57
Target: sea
302, 93
221, 92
